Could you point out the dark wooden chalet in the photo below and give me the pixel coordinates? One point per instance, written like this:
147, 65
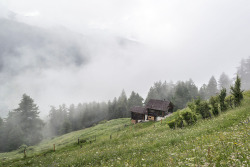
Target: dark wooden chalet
158, 109
138, 114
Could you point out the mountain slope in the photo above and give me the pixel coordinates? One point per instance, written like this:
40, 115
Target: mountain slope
23, 46
221, 141
48, 63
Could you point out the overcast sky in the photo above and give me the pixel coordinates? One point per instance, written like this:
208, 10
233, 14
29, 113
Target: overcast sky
169, 40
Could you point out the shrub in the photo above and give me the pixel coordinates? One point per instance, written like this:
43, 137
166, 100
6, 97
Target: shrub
189, 116
83, 141
181, 117
179, 122
102, 122
22, 147
172, 124
200, 107
192, 106
229, 101
215, 106
203, 108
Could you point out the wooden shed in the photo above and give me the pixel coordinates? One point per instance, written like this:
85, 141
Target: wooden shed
138, 114
158, 109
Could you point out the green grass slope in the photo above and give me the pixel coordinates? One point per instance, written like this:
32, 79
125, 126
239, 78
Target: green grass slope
220, 141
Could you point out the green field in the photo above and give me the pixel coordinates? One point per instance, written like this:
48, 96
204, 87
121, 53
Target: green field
220, 141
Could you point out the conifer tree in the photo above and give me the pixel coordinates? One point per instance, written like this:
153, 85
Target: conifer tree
22, 126
134, 100
203, 92
237, 92
122, 105
222, 96
224, 82
244, 73
30, 123
211, 87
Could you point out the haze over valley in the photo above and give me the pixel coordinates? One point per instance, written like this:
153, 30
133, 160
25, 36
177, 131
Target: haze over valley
72, 54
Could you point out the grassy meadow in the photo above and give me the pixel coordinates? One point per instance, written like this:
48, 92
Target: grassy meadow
220, 141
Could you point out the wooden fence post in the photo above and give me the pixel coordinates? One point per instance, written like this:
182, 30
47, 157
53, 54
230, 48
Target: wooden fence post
54, 147
78, 141
110, 136
161, 121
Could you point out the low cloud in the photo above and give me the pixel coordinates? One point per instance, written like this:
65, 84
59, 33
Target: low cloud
91, 50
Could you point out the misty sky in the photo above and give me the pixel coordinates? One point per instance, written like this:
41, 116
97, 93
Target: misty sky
120, 45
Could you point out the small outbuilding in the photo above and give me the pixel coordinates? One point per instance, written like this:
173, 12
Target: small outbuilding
138, 114
158, 109
154, 110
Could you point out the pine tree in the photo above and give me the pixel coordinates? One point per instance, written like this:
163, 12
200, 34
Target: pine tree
192, 89
237, 92
222, 96
182, 95
244, 73
203, 92
224, 82
113, 109
211, 87
30, 123
134, 100
22, 126
122, 105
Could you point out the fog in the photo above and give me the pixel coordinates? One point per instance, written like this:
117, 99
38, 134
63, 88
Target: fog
70, 52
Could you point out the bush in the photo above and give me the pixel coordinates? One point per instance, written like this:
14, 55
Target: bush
181, 117
179, 122
22, 147
229, 101
189, 116
203, 108
215, 106
172, 124
192, 106
200, 107
103, 121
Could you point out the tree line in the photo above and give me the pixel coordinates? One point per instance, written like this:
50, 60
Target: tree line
24, 127
65, 119
204, 109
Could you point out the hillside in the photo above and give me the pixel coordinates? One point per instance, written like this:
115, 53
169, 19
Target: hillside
220, 141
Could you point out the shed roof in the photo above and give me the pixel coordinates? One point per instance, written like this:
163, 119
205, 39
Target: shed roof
161, 105
138, 109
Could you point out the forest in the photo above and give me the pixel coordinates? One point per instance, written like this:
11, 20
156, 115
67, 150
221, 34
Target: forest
23, 126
